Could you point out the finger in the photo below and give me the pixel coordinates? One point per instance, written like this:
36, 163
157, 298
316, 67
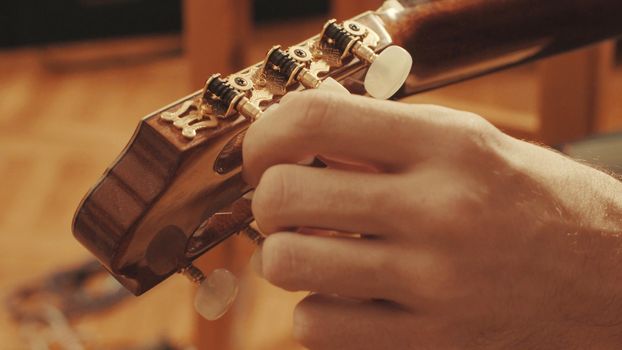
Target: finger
292, 196
357, 268
349, 267
329, 322
381, 133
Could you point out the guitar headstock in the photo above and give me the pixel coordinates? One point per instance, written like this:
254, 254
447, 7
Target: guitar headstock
176, 190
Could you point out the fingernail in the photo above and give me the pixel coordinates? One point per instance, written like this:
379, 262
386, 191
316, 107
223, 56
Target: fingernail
332, 85
307, 161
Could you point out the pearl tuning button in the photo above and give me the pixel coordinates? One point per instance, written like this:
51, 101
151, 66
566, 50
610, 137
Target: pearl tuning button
388, 72
216, 292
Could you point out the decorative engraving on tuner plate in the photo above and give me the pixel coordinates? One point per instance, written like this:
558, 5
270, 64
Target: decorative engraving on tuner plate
189, 119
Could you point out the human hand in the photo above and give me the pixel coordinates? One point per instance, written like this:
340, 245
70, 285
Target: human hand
470, 239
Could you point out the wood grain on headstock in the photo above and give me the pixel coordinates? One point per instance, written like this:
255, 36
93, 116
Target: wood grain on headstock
138, 218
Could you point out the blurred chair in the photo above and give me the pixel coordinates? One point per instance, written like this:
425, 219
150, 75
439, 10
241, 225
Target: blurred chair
216, 34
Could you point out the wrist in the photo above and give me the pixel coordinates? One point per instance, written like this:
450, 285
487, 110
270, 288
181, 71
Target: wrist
587, 198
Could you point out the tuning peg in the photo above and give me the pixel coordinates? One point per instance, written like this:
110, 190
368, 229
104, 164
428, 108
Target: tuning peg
252, 233
216, 292
220, 90
388, 72
291, 65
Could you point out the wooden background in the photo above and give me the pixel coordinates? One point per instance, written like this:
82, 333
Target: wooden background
59, 130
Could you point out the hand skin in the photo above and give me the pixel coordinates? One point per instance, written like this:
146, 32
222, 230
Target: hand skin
471, 239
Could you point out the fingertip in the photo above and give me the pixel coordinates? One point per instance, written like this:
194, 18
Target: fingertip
268, 200
289, 128
302, 324
275, 257
249, 172
251, 154
258, 137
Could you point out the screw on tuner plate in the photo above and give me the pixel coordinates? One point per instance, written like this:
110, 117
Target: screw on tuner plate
388, 70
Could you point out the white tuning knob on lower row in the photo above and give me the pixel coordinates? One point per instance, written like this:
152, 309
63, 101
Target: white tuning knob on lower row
388, 72
216, 294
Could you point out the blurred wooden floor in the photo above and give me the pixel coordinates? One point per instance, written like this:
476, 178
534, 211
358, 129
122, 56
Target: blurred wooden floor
59, 130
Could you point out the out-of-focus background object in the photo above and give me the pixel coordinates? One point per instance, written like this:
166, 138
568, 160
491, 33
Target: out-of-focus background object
603, 151
76, 75
46, 311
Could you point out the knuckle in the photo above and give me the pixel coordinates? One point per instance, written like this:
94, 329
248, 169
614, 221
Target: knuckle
434, 276
387, 263
270, 196
460, 205
477, 136
462, 200
279, 261
399, 205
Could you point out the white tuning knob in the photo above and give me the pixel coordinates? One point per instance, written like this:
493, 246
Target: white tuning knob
216, 294
388, 72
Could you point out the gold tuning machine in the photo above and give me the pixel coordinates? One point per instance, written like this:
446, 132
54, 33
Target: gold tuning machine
291, 66
305, 65
219, 92
348, 39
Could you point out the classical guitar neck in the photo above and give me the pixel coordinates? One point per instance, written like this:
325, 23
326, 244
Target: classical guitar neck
452, 40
